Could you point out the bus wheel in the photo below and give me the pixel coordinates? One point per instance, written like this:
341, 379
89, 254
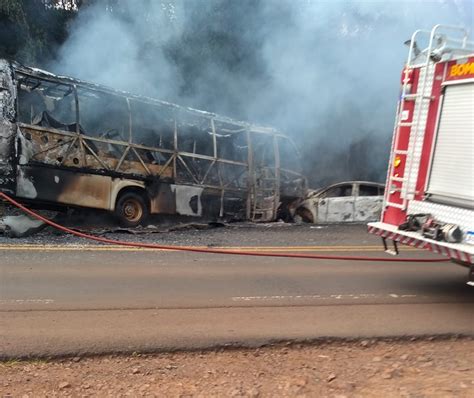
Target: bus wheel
131, 209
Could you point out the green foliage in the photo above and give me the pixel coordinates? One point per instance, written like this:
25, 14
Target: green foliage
14, 30
32, 30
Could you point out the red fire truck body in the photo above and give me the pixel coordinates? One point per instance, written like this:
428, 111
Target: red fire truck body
430, 179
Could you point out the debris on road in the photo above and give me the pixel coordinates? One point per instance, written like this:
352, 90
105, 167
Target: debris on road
153, 229
339, 368
15, 224
20, 226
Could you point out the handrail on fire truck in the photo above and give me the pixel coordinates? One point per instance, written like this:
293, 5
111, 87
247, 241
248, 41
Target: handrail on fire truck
439, 45
465, 44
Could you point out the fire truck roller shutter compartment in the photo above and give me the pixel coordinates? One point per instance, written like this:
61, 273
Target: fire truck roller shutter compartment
451, 179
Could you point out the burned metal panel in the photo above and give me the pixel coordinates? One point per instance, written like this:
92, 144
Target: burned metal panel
58, 148
7, 156
195, 201
7, 92
163, 198
368, 208
335, 209
7, 128
64, 186
188, 200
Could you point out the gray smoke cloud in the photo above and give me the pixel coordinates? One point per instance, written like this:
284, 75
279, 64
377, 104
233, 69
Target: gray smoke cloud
325, 72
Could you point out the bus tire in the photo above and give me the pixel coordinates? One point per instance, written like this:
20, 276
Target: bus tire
131, 209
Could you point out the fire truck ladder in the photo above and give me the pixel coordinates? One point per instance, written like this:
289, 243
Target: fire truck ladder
422, 101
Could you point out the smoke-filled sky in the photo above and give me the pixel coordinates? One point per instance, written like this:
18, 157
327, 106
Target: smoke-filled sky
325, 72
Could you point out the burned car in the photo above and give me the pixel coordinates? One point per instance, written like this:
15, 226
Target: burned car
350, 201
72, 143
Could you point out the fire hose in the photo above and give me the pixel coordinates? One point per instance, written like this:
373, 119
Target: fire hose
207, 250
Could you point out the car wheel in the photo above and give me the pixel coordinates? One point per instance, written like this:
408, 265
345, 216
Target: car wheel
305, 214
131, 209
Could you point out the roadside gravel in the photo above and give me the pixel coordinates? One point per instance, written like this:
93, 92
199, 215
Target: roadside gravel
203, 234
420, 368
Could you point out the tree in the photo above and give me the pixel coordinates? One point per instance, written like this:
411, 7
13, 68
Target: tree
14, 30
32, 30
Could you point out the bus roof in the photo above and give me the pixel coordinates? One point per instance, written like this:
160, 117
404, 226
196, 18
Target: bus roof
45, 75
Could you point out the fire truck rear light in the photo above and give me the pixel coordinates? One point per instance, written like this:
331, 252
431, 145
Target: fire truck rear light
452, 233
397, 161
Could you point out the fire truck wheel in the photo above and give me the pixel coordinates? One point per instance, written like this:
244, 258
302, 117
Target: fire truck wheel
131, 209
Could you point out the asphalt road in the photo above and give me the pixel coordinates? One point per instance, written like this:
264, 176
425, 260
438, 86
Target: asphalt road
70, 299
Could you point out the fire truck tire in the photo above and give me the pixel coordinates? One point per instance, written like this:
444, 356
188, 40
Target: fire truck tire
131, 209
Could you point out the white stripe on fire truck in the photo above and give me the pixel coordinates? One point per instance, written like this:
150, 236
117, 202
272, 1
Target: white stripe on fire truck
420, 244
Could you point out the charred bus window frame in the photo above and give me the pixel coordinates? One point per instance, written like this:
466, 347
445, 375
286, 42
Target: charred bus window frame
100, 95
56, 136
22, 77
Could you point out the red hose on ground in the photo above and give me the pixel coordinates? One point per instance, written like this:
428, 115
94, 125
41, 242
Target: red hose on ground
207, 250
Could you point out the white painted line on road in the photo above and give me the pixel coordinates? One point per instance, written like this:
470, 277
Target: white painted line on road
324, 297
26, 301
271, 249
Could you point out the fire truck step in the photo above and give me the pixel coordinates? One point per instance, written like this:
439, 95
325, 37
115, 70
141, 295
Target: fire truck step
397, 205
394, 251
398, 179
411, 97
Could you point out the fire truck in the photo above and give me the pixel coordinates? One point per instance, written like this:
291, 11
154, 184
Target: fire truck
429, 195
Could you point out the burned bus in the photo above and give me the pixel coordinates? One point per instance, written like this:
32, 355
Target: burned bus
71, 143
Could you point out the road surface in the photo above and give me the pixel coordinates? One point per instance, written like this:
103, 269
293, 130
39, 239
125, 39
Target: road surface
74, 297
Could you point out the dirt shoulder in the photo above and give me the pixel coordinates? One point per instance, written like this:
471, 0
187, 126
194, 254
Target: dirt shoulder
436, 368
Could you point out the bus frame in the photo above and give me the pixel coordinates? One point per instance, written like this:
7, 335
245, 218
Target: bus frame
65, 141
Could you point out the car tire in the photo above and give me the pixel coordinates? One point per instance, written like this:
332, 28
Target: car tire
131, 209
305, 214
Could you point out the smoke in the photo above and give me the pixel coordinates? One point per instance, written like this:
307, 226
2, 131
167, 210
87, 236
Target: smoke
325, 72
